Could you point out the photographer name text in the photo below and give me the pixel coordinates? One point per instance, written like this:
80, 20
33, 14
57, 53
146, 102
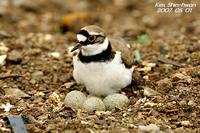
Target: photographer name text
174, 7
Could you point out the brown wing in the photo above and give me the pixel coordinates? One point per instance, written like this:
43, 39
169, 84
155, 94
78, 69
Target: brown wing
126, 50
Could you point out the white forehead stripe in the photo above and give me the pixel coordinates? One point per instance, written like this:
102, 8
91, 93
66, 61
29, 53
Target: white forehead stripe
81, 38
94, 33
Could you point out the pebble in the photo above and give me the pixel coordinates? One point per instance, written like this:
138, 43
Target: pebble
100, 113
152, 128
179, 130
181, 76
39, 94
75, 99
121, 3
115, 101
149, 104
131, 126
55, 55
119, 130
15, 56
150, 92
37, 74
3, 48
148, 64
93, 104
15, 92
185, 123
48, 37
182, 102
54, 97
2, 59
68, 85
129, 110
165, 84
191, 103
145, 69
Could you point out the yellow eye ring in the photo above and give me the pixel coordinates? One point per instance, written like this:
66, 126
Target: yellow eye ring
91, 38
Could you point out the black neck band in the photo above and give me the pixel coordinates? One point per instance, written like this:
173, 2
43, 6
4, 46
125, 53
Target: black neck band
101, 57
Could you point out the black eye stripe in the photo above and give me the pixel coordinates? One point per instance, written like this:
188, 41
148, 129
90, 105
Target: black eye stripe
86, 34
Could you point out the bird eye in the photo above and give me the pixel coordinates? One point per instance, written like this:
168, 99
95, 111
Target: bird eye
91, 38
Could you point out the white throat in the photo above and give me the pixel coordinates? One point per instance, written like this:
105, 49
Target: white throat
94, 49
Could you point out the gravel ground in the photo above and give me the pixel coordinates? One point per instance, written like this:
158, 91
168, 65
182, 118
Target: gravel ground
36, 69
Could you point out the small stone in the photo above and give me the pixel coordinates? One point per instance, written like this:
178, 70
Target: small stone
15, 56
150, 92
131, 126
145, 69
124, 115
55, 99
180, 76
115, 101
185, 123
3, 48
75, 99
65, 78
191, 103
34, 51
2, 59
48, 37
94, 103
146, 77
100, 113
149, 104
37, 75
141, 101
55, 55
148, 64
32, 81
165, 84
68, 85
179, 130
120, 3
15, 92
4, 34
119, 130
39, 94
129, 110
69, 131
182, 102
152, 128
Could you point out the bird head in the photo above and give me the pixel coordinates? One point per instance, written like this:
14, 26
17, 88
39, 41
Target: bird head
91, 40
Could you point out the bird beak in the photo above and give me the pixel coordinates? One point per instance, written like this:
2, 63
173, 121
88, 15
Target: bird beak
78, 45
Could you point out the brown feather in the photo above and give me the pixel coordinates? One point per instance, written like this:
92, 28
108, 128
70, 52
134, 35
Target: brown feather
126, 52
94, 28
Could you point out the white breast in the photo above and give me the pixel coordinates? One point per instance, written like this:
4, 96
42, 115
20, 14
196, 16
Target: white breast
102, 78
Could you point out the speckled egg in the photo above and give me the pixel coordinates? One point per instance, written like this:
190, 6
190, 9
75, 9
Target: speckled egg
115, 100
75, 99
93, 103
